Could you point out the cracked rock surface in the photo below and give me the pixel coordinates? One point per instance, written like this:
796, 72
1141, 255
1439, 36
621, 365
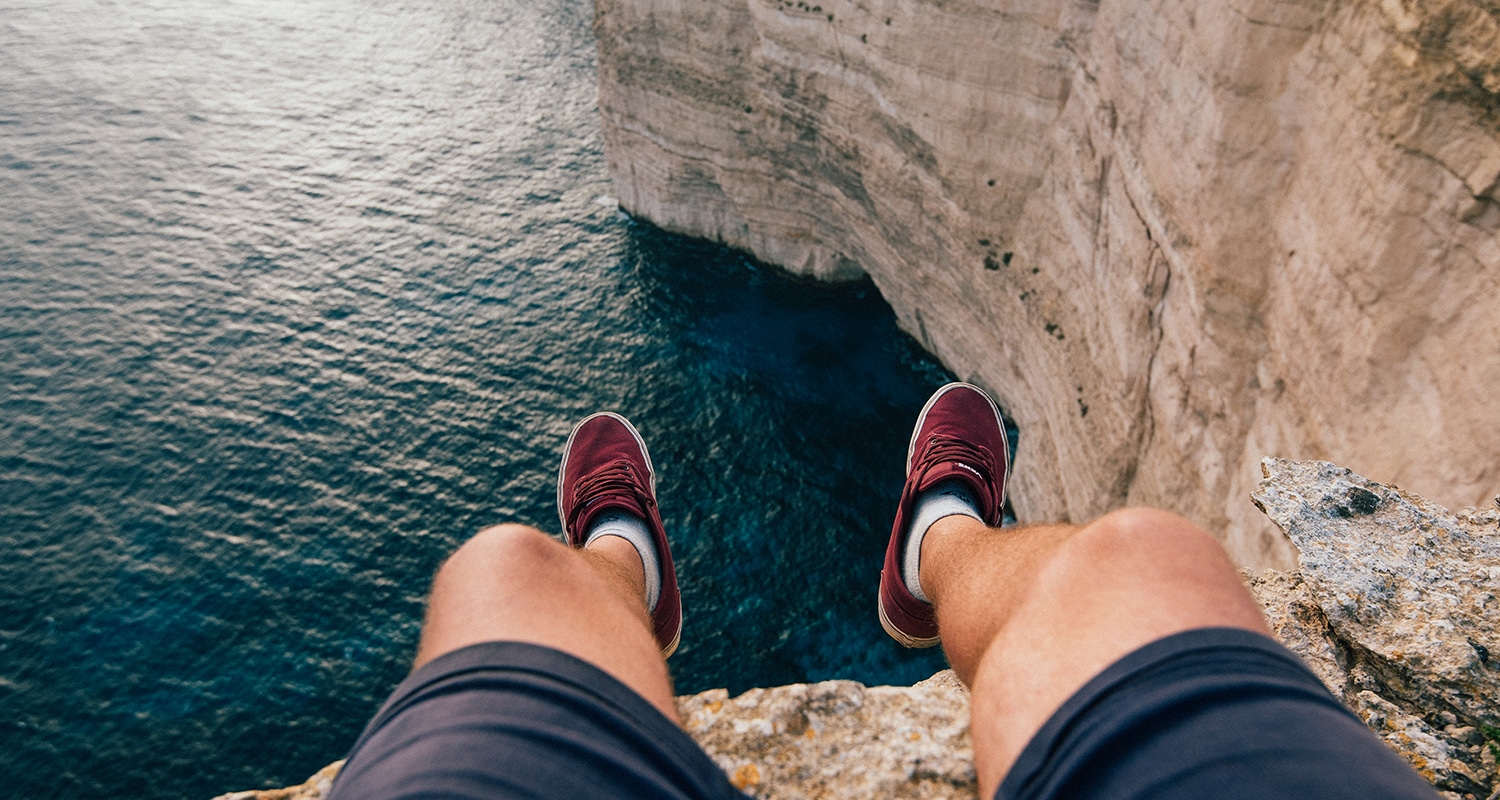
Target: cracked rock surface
1395, 608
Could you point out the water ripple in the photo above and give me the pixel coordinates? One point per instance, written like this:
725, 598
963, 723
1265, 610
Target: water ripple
294, 296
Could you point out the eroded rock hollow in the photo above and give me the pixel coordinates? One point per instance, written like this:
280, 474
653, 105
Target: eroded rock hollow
1172, 237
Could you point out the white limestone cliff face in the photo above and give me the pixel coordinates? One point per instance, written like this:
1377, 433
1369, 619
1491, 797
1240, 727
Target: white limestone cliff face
1170, 236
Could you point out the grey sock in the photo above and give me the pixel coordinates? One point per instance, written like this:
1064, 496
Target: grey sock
632, 529
943, 500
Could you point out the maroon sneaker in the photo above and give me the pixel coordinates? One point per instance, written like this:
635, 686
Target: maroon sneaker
605, 466
959, 435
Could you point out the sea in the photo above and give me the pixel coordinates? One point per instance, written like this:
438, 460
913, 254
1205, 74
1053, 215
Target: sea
296, 296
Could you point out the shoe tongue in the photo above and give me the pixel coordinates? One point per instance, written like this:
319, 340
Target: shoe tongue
588, 512
966, 472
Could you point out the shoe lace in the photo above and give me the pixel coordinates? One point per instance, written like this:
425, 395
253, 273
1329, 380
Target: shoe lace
616, 477
942, 449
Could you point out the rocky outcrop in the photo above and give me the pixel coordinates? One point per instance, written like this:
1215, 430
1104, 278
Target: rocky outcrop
1394, 608
1169, 235
840, 739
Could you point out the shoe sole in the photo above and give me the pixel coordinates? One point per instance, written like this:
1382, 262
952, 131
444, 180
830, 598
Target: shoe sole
671, 647
909, 642
562, 469
911, 445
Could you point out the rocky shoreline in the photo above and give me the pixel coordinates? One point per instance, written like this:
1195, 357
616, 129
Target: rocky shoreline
1394, 607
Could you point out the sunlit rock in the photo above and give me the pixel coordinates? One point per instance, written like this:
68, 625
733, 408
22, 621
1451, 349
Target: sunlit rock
1395, 608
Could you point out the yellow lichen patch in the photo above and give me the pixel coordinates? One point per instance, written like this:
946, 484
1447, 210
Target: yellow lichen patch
745, 777
1421, 766
914, 736
809, 733
714, 706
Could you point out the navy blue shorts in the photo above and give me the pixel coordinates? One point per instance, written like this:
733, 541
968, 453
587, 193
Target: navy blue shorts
514, 720
1213, 713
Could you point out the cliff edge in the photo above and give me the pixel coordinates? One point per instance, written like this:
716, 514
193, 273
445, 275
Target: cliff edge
1394, 608
1169, 236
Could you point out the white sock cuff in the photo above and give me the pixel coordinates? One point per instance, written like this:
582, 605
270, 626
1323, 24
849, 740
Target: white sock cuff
943, 500
632, 529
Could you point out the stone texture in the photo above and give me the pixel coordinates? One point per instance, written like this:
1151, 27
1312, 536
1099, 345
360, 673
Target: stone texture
839, 739
1394, 608
1170, 236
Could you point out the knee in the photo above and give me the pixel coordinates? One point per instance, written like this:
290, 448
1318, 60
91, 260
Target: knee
503, 549
508, 536
1137, 536
1145, 523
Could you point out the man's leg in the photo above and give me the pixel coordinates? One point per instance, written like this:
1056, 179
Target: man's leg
514, 583
1065, 635
590, 598
541, 670
1029, 614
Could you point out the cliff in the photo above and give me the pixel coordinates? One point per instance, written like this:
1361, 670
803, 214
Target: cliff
1170, 236
1394, 608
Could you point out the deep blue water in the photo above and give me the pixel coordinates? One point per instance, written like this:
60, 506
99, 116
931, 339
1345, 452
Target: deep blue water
294, 296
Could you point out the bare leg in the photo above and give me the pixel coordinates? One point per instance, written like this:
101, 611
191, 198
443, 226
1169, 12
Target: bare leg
515, 583
1030, 614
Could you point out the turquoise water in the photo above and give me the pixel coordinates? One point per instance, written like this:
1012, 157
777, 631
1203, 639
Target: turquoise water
296, 296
